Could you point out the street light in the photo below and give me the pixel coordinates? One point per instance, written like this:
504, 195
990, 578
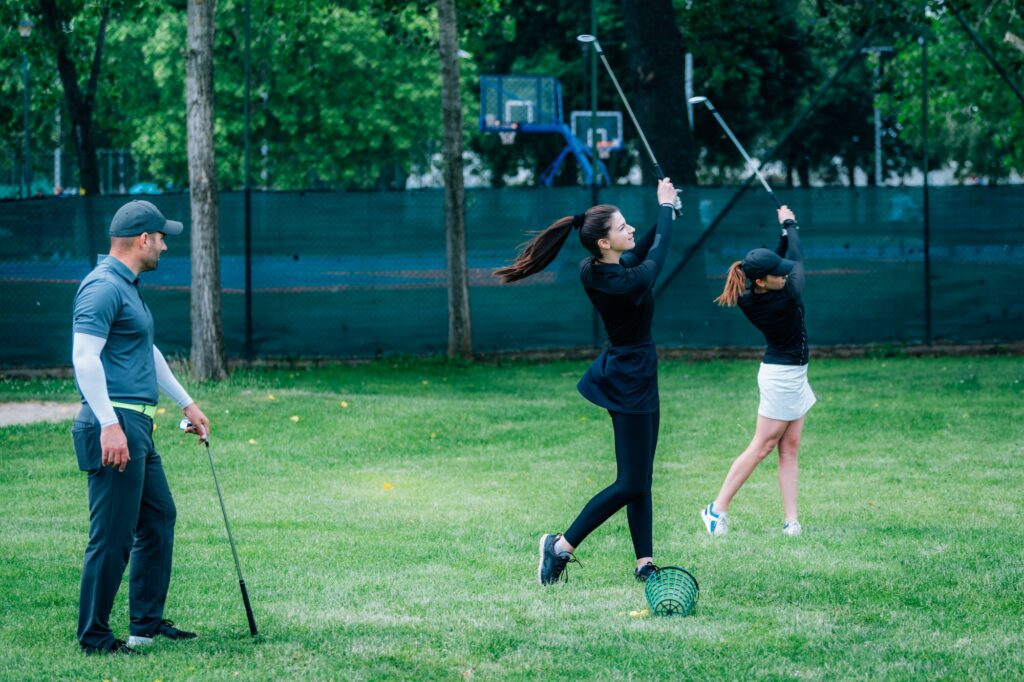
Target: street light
25, 30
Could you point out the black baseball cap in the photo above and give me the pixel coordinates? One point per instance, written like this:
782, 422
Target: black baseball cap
139, 216
761, 262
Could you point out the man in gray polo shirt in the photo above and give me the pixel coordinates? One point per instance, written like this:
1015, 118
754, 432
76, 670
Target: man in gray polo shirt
119, 371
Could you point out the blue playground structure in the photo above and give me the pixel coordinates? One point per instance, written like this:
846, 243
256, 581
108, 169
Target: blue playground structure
533, 104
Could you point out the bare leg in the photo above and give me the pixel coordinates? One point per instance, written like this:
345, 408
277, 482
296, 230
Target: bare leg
789, 447
766, 437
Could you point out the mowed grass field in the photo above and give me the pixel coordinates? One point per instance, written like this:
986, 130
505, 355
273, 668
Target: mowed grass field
387, 517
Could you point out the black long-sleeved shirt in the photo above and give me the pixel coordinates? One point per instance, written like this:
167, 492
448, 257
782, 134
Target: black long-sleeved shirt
779, 315
621, 291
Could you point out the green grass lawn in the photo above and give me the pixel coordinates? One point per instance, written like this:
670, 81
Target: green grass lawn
391, 530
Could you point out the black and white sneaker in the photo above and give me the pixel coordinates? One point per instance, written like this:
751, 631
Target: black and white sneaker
119, 647
165, 629
644, 572
552, 563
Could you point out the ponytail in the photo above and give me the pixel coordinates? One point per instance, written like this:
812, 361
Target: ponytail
735, 284
538, 253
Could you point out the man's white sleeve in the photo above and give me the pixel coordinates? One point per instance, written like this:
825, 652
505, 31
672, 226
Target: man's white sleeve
92, 379
166, 381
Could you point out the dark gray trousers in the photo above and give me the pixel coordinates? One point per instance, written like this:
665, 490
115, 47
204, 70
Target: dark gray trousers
131, 515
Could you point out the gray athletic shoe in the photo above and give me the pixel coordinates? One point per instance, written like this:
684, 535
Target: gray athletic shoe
552, 564
791, 529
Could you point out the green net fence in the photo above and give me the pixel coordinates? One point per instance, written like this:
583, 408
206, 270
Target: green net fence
361, 274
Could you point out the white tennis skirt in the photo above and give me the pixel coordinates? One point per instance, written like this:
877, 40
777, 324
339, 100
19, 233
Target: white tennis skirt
785, 393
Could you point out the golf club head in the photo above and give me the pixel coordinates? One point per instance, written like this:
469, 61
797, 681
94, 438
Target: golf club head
699, 99
586, 38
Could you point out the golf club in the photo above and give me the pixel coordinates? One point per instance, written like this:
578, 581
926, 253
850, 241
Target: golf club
586, 39
728, 131
189, 427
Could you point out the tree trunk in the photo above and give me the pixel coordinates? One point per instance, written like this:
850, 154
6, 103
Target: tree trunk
80, 105
207, 336
803, 170
656, 88
460, 337
658, 95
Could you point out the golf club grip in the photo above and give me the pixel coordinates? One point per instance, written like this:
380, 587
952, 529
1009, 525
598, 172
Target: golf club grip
677, 203
248, 608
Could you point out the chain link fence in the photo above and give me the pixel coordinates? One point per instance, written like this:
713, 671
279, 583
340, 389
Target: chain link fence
352, 275
52, 172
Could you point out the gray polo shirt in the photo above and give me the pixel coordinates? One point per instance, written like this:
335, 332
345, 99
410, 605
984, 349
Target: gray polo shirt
109, 305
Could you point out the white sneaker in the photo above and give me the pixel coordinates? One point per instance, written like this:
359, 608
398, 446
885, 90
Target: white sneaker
716, 522
138, 640
791, 529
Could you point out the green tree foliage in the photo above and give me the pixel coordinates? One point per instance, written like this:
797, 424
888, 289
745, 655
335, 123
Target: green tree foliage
344, 94
758, 65
78, 33
975, 120
763, 66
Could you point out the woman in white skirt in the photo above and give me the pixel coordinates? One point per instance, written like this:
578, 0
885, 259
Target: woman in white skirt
773, 302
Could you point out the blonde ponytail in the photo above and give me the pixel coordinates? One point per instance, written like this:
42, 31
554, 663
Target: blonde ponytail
735, 285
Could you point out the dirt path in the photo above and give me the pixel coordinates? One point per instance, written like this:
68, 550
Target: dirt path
29, 412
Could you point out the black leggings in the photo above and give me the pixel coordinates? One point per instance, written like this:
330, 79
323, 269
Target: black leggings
636, 439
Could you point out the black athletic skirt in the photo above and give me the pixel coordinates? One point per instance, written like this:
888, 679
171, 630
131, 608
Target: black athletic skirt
623, 379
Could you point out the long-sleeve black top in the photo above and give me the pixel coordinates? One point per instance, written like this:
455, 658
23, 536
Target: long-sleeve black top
779, 315
621, 292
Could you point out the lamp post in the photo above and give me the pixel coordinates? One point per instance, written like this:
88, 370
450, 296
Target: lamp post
25, 30
881, 52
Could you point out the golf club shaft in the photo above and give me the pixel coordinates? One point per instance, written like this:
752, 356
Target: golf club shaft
750, 162
629, 109
231, 541
677, 204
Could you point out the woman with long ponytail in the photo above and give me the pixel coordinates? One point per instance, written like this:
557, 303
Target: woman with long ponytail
773, 302
617, 276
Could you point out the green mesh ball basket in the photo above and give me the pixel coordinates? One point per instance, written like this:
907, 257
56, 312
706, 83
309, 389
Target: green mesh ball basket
671, 591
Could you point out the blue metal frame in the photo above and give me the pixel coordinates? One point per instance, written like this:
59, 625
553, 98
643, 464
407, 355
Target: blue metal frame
584, 157
552, 121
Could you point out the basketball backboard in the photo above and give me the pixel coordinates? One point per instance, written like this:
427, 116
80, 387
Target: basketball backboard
603, 130
521, 103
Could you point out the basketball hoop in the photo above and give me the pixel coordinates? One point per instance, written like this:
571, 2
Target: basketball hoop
604, 149
507, 136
